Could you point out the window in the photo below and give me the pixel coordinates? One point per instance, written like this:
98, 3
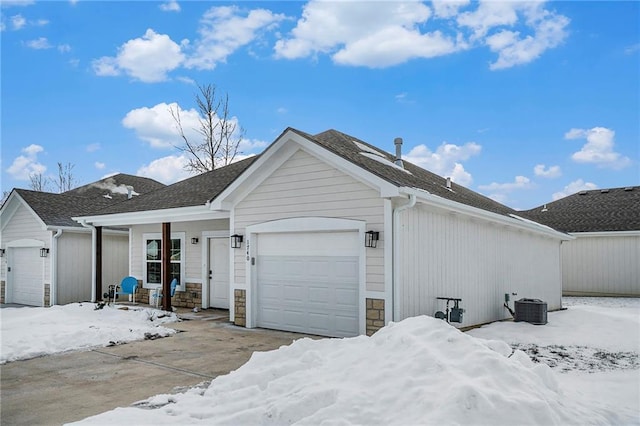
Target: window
153, 258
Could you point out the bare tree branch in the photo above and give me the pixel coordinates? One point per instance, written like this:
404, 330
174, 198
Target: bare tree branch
38, 182
66, 180
220, 137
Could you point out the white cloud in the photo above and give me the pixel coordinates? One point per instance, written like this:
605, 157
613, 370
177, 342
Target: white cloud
573, 187
167, 170
520, 182
25, 165
39, 43
18, 22
3, 26
391, 33
447, 8
599, 148
156, 126
225, 29
446, 161
630, 50
10, 3
282, 110
250, 145
93, 147
186, 80
148, 58
354, 33
550, 173
170, 6
99, 165
64, 48
515, 49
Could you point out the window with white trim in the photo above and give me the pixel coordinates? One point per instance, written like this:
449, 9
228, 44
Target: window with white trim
152, 259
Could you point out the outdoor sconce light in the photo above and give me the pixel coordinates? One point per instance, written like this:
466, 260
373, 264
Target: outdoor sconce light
44, 252
236, 241
371, 239
194, 240
1, 252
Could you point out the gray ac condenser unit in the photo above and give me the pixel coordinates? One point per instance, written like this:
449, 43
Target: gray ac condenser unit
533, 311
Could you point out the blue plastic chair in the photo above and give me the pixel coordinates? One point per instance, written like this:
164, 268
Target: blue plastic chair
156, 295
129, 285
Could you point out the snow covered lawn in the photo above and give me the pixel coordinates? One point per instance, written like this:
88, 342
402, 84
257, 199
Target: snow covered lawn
423, 371
32, 332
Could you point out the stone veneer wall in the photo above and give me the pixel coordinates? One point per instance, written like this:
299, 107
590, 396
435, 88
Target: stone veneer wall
3, 286
240, 301
375, 315
190, 298
47, 295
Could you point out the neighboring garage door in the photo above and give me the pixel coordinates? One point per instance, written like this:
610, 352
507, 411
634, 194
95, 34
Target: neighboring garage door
308, 282
26, 275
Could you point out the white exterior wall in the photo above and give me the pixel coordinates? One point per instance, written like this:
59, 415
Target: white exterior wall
192, 252
74, 267
307, 187
603, 265
115, 259
441, 254
23, 225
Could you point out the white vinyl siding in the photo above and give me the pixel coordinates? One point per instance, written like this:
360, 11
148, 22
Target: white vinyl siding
448, 255
307, 187
74, 268
23, 225
74, 264
192, 252
601, 265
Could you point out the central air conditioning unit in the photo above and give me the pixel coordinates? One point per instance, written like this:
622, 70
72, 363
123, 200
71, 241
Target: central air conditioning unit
533, 311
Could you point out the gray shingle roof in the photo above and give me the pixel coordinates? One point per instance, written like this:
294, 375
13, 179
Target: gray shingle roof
344, 146
600, 210
58, 209
194, 191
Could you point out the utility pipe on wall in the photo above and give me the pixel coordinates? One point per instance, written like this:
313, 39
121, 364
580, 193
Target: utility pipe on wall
53, 291
396, 243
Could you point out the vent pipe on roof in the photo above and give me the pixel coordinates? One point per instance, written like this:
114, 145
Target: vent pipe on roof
398, 143
129, 192
448, 182
544, 208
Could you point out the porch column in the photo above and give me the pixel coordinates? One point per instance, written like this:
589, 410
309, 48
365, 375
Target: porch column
166, 266
98, 279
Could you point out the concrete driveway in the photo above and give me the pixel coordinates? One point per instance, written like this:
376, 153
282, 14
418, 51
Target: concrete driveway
68, 387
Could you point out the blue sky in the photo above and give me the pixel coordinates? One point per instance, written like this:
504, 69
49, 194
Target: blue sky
523, 102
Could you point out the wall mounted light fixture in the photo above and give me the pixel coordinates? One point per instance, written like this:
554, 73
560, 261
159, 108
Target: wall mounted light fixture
44, 252
194, 240
1, 252
236, 241
371, 239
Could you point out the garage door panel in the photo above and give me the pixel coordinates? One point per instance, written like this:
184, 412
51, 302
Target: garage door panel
26, 272
309, 289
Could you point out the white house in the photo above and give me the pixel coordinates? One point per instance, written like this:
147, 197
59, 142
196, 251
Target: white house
604, 257
336, 237
47, 256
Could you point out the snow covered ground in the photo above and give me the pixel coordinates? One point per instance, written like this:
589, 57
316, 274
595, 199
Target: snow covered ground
32, 332
581, 368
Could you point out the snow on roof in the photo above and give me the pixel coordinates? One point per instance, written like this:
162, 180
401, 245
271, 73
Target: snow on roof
385, 161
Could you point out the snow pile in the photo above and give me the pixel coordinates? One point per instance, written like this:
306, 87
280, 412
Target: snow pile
418, 371
32, 332
601, 336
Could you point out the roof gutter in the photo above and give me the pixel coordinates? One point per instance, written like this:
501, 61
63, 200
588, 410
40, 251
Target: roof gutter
396, 242
512, 220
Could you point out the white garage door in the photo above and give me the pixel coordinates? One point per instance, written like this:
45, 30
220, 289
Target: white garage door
26, 274
308, 282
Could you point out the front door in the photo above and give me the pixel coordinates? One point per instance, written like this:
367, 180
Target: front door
219, 273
